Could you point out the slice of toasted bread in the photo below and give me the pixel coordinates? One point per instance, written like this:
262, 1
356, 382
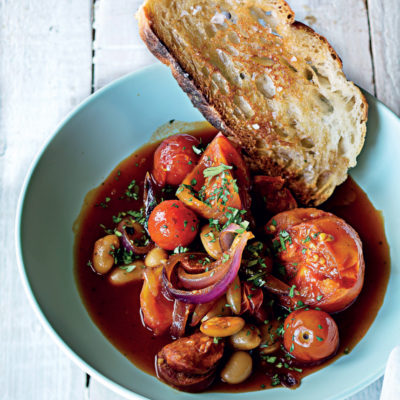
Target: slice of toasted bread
270, 83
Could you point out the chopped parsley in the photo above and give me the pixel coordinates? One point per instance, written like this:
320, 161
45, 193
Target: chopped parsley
128, 268
275, 381
284, 238
197, 150
307, 239
291, 292
133, 190
180, 249
225, 257
214, 171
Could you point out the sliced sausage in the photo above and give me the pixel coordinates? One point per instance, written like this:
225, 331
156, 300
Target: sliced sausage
195, 354
182, 381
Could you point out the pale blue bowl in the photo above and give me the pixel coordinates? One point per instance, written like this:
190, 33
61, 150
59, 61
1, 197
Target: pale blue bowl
91, 141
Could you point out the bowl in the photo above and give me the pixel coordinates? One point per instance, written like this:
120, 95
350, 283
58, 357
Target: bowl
86, 146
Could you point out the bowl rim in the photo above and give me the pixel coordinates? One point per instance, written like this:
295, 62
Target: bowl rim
65, 348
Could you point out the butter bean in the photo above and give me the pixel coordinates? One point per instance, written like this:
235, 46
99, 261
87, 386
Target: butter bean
218, 310
238, 368
270, 339
222, 326
246, 339
129, 273
102, 258
234, 296
155, 257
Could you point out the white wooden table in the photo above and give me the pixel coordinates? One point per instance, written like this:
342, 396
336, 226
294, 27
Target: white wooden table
55, 53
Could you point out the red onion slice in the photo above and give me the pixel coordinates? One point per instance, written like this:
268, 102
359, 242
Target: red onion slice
202, 280
275, 285
217, 289
180, 316
227, 236
127, 239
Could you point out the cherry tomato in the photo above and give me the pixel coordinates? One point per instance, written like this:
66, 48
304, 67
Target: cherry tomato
172, 224
174, 158
310, 335
322, 256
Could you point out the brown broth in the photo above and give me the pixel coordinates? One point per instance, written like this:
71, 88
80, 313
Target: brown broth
116, 310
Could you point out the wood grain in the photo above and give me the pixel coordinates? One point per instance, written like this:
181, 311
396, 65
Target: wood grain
345, 24
385, 37
118, 48
45, 70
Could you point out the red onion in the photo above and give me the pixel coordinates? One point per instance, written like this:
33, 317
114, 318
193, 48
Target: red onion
202, 280
230, 261
180, 316
227, 236
149, 196
275, 285
127, 240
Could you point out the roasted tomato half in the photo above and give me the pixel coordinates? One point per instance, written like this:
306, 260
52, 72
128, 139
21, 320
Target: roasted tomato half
322, 258
310, 336
156, 309
174, 159
219, 181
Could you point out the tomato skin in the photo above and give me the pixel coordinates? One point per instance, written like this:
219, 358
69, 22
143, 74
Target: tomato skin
156, 309
323, 258
219, 151
310, 336
172, 224
174, 158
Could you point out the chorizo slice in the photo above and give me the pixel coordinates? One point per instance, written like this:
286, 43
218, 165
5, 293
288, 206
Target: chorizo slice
277, 198
182, 381
194, 355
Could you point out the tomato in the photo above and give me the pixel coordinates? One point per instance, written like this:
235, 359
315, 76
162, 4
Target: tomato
156, 309
322, 258
174, 158
310, 335
226, 185
172, 224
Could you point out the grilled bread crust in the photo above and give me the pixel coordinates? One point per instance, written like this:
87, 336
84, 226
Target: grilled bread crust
268, 82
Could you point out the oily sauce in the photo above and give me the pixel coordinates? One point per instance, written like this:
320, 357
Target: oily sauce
116, 310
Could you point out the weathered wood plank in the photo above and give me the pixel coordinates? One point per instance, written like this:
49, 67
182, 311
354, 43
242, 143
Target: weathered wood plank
117, 45
99, 392
372, 392
345, 24
45, 70
385, 29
